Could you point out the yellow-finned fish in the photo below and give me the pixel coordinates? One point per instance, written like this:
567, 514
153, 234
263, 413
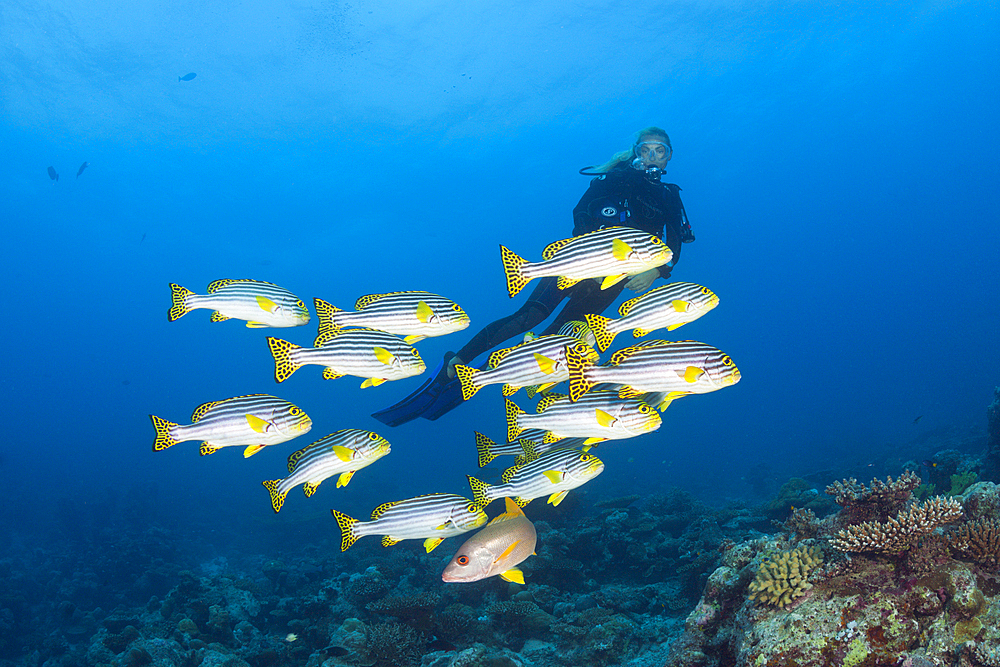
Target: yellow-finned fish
540, 362
342, 452
261, 304
655, 366
431, 517
253, 421
412, 315
596, 416
612, 253
375, 355
666, 307
554, 474
497, 549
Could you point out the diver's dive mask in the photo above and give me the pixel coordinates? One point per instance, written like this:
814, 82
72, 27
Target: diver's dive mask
647, 154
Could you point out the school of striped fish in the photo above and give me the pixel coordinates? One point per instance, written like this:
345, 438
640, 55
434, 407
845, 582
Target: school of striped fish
618, 400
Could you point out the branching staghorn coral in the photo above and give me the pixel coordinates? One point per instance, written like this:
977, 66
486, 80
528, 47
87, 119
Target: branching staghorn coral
978, 541
850, 492
898, 534
784, 578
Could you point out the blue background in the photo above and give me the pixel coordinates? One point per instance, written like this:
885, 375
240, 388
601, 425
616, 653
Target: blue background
838, 164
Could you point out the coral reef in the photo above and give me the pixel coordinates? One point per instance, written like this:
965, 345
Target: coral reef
785, 577
979, 541
901, 532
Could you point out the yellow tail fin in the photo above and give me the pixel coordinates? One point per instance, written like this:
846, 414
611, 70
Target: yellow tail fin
578, 382
599, 325
466, 375
484, 448
480, 491
277, 498
163, 437
281, 350
347, 524
513, 269
178, 302
327, 316
513, 412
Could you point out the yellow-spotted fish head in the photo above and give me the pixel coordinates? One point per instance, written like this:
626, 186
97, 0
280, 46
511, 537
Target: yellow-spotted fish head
296, 312
716, 371
653, 251
580, 330
637, 417
290, 419
412, 362
468, 517
584, 468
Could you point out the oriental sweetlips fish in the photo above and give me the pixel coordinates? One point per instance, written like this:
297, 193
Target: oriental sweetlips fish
374, 355
666, 307
539, 363
677, 368
554, 474
254, 421
612, 253
596, 416
497, 549
432, 517
260, 303
342, 452
412, 315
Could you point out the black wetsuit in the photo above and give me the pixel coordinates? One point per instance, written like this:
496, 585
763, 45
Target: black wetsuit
624, 196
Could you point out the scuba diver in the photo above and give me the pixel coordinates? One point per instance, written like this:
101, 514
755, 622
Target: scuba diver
626, 191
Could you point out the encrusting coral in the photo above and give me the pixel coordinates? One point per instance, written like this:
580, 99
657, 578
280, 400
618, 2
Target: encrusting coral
781, 580
898, 534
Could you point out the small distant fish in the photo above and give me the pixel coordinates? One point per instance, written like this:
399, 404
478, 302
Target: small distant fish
539, 363
596, 416
669, 307
677, 368
374, 355
432, 517
254, 421
344, 452
187, 77
82, 167
290, 637
260, 303
613, 253
918, 419
497, 549
52, 174
554, 474
411, 315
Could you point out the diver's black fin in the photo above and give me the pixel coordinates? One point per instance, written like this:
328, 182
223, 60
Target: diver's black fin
419, 401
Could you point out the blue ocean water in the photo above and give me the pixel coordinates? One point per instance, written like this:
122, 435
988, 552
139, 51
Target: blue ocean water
838, 164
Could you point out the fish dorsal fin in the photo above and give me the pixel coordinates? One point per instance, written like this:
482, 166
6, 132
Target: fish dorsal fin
552, 248
294, 458
200, 411
508, 473
266, 304
424, 312
345, 454
546, 401
498, 356
216, 285
383, 508
326, 336
368, 299
620, 250
530, 449
624, 309
624, 353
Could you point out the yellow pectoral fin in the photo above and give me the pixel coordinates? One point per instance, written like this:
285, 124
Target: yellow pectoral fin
671, 327
514, 575
593, 441
424, 312
384, 355
612, 280
692, 374
680, 305
557, 498
251, 450
545, 365
257, 325
345, 478
431, 543
258, 424
554, 476
620, 250
604, 419
343, 453
372, 382
508, 551
414, 338
266, 304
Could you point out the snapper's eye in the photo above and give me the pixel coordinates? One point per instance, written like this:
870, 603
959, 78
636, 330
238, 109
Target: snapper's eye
462, 560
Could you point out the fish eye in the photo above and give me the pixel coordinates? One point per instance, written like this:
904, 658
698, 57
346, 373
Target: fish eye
373, 436
293, 411
586, 457
727, 361
457, 308
415, 353
462, 560
705, 290
300, 304
655, 240
472, 508
645, 409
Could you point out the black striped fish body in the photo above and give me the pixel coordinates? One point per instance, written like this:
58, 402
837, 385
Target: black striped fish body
413, 315
540, 361
612, 253
341, 453
596, 416
553, 473
368, 353
432, 517
667, 307
674, 368
260, 303
254, 421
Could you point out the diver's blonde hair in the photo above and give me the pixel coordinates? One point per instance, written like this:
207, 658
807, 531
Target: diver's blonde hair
628, 154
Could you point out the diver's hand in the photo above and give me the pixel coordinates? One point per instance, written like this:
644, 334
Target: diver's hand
641, 281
